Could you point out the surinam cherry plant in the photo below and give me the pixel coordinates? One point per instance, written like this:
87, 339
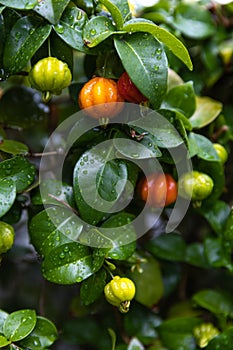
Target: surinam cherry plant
106, 128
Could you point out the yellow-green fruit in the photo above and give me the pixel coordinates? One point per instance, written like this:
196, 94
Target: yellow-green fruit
195, 185
119, 292
221, 152
7, 236
50, 75
204, 333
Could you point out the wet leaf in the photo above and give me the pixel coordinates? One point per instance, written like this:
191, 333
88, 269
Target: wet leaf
93, 287
19, 170
222, 341
7, 195
144, 59
202, 147
43, 335
4, 341
3, 316
25, 38
206, 112
119, 10
19, 324
20, 5
172, 43
51, 9
68, 263
96, 30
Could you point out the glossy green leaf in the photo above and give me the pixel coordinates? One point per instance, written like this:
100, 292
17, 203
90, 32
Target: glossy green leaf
144, 59
55, 192
68, 263
119, 11
53, 227
206, 111
181, 98
133, 149
195, 255
164, 132
216, 214
93, 287
193, 21
19, 324
4, 341
51, 9
13, 147
178, 333
169, 246
70, 28
96, 30
98, 182
25, 38
3, 316
222, 341
19, 170
216, 254
20, 5
119, 237
172, 43
7, 195
216, 301
202, 147
43, 335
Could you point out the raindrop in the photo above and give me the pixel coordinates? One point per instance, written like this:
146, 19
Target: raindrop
62, 255
135, 155
156, 68
59, 28
93, 31
66, 249
79, 279
79, 16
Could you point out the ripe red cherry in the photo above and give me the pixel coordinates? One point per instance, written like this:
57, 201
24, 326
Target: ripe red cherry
128, 90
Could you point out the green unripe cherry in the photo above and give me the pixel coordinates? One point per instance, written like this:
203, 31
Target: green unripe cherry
195, 185
221, 152
7, 235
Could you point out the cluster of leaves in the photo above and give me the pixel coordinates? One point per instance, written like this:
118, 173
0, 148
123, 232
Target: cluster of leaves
77, 243
23, 329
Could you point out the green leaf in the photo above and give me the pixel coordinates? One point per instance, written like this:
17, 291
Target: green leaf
120, 234
145, 61
3, 316
20, 5
173, 44
53, 227
216, 214
194, 21
119, 11
206, 112
195, 255
3, 341
93, 287
68, 263
216, 301
51, 9
222, 341
149, 275
181, 98
96, 30
216, 253
228, 231
19, 324
43, 335
98, 182
54, 192
169, 246
132, 149
25, 38
178, 333
70, 28
7, 195
164, 132
13, 147
202, 147
19, 170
